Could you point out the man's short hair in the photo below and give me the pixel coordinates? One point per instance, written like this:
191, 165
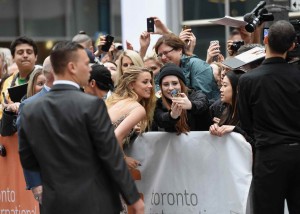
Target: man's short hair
23, 40
63, 53
281, 36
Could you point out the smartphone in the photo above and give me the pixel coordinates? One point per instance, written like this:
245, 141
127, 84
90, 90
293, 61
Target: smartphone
108, 42
185, 27
266, 31
215, 58
150, 24
175, 93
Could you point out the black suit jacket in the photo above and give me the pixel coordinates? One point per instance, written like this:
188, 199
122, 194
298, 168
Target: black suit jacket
269, 103
67, 136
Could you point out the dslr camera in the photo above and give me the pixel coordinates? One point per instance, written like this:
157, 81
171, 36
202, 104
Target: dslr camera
257, 16
236, 45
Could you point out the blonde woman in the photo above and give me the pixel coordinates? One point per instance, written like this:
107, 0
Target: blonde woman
126, 59
132, 103
36, 82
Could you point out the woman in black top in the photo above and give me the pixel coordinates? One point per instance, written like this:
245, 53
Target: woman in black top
229, 120
180, 109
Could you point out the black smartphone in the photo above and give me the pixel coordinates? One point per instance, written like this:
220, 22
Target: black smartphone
108, 42
150, 24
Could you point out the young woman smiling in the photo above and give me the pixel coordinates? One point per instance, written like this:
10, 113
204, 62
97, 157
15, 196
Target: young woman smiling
180, 109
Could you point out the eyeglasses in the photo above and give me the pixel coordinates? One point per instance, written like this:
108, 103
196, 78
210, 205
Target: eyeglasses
164, 53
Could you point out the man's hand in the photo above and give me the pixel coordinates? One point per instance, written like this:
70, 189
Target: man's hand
37, 193
138, 207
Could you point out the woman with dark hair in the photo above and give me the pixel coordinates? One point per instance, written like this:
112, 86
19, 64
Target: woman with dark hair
180, 109
229, 120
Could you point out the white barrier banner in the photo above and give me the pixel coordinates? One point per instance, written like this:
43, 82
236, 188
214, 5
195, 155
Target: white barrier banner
195, 173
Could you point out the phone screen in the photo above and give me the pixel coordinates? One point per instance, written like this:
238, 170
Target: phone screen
150, 24
266, 31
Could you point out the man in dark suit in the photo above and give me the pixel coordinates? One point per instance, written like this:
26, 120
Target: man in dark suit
269, 110
67, 136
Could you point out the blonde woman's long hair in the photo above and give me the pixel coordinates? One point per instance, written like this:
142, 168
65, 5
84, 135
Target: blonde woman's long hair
32, 81
124, 91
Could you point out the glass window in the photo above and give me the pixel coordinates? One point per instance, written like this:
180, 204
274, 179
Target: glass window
205, 35
240, 8
209, 9
9, 18
204, 9
44, 18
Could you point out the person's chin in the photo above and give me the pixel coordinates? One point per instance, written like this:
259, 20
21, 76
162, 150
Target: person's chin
26, 67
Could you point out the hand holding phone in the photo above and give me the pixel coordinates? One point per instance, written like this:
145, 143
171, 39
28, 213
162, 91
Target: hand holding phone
150, 25
185, 27
108, 42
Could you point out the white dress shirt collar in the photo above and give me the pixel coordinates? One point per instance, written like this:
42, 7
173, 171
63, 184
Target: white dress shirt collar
68, 82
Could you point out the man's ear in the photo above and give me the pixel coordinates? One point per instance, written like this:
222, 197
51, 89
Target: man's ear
71, 67
266, 40
92, 83
292, 47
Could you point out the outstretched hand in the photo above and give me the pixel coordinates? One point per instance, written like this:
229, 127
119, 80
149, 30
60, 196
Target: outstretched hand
182, 101
160, 27
189, 39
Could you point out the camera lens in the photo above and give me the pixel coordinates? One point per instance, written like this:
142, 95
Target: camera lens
236, 45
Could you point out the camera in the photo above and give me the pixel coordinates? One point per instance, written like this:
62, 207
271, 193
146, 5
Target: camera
236, 45
257, 16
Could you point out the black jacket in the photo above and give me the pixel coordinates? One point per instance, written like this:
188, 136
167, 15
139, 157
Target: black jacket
269, 103
198, 116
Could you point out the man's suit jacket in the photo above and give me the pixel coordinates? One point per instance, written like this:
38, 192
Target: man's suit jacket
32, 178
71, 141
